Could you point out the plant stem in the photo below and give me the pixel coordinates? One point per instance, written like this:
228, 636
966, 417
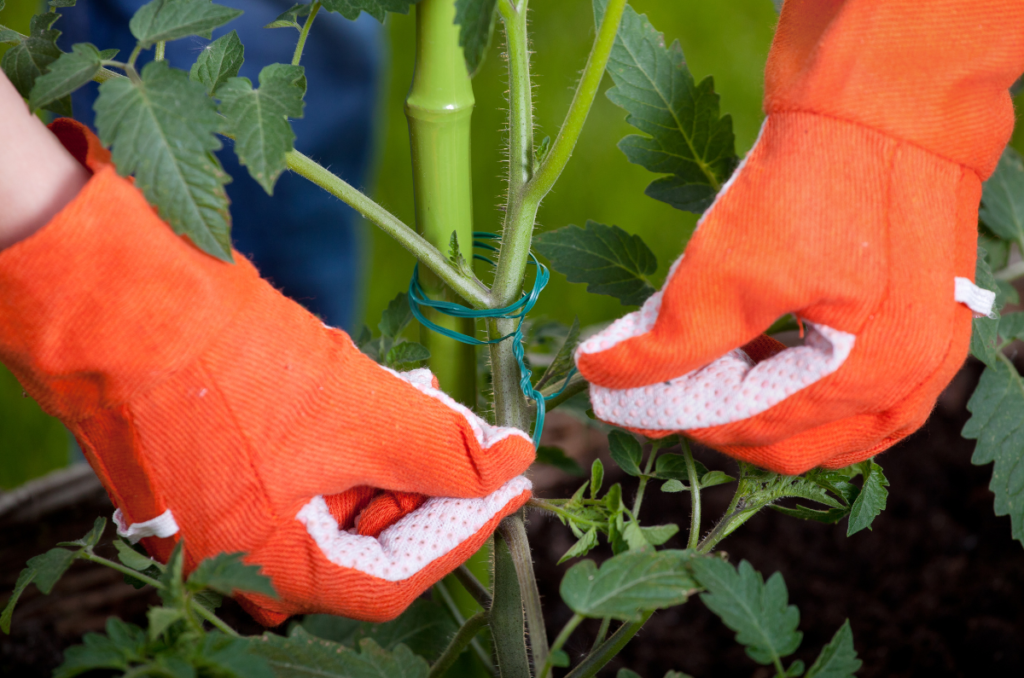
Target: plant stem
460, 620
462, 638
601, 633
93, 558
555, 160
604, 653
196, 607
563, 636
470, 290
547, 506
301, 44
213, 619
1011, 272
473, 585
161, 47
642, 486
507, 627
577, 385
513, 531
691, 474
133, 56
519, 216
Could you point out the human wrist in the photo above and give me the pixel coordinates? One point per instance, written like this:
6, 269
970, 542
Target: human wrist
38, 177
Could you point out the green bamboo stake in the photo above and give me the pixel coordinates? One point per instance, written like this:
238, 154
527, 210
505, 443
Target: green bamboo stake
439, 108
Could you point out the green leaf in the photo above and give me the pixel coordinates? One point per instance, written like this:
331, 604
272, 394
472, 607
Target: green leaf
91, 538
258, 119
122, 644
627, 673
173, 592
164, 20
984, 342
996, 423
687, 138
69, 72
674, 466
218, 62
25, 578
30, 58
656, 535
628, 584
581, 547
301, 655
9, 36
222, 655
838, 659
226, 573
607, 258
60, 4
674, 486
162, 130
1002, 198
1011, 326
50, 567
425, 627
563, 362
129, 557
560, 658
406, 352
713, 478
871, 500
829, 517
596, 478
758, 612
553, 456
626, 452
350, 9
290, 17
160, 618
396, 316
476, 19
634, 537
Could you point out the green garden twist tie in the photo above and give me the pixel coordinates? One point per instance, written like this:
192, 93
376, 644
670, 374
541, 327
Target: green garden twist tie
517, 310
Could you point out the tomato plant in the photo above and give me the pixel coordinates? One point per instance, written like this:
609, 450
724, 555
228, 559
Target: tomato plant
162, 125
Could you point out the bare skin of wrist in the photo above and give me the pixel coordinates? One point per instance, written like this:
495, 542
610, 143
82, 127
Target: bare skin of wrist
38, 177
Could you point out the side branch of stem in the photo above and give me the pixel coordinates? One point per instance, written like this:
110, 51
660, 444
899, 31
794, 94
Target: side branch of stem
470, 290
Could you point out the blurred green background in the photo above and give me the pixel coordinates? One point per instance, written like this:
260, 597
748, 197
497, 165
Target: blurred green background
728, 40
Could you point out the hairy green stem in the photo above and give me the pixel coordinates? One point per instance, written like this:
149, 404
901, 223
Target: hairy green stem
470, 290
555, 160
462, 638
519, 216
473, 586
513, 530
563, 636
691, 474
507, 627
161, 48
605, 652
301, 44
547, 506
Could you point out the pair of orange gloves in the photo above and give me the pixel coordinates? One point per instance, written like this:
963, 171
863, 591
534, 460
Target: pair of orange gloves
217, 411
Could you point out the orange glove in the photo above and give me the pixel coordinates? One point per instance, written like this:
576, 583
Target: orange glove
217, 411
857, 211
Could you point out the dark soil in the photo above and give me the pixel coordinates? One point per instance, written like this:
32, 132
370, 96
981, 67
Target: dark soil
936, 589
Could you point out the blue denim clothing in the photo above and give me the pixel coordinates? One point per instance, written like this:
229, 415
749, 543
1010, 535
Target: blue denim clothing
305, 241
